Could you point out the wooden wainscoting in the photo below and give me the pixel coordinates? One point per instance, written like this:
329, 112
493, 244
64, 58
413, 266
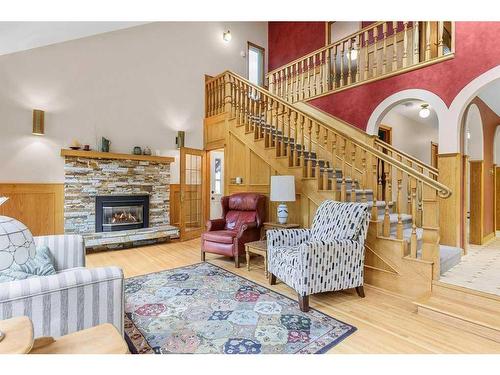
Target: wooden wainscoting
39, 206
497, 198
175, 204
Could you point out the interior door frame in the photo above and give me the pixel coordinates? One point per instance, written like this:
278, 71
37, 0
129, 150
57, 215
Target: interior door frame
204, 189
263, 73
216, 147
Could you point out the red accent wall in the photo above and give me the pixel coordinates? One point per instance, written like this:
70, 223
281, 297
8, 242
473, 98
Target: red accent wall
475, 53
288, 41
490, 121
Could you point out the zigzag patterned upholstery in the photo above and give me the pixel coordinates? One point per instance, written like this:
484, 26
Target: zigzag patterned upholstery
329, 256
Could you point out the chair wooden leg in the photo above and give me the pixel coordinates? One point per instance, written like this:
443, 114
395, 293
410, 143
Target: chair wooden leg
360, 291
303, 303
272, 279
237, 260
202, 256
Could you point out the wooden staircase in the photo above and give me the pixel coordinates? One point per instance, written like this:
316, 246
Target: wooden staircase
331, 161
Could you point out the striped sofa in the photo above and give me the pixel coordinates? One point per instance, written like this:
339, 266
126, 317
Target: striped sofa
74, 299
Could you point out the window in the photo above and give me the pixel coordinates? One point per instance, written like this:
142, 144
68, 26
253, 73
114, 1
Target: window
255, 62
218, 176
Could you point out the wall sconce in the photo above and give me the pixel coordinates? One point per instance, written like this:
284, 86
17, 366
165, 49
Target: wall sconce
226, 36
179, 140
38, 122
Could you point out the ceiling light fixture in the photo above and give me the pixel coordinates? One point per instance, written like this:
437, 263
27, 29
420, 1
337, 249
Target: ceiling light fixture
424, 111
226, 36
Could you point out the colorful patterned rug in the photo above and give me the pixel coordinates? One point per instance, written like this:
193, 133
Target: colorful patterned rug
203, 308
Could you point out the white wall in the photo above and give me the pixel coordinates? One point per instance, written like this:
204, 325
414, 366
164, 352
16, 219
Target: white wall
473, 146
136, 86
411, 136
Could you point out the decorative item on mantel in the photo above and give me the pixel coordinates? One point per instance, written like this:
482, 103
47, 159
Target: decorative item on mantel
146, 151
75, 145
105, 144
282, 190
137, 150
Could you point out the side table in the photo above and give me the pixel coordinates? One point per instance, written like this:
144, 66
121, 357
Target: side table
259, 248
270, 225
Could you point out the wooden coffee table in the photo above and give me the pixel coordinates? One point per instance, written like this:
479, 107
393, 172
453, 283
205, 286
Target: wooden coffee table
259, 248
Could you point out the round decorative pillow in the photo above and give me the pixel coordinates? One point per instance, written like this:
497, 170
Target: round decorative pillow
16, 243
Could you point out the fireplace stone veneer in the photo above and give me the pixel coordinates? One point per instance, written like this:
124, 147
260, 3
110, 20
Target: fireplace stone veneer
87, 178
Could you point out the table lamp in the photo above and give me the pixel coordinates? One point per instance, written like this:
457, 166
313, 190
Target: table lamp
282, 190
16, 243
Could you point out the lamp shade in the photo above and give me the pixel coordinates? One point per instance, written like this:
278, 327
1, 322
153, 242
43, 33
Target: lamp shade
16, 243
282, 188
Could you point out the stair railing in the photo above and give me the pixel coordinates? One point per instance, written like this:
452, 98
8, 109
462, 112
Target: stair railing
323, 151
380, 50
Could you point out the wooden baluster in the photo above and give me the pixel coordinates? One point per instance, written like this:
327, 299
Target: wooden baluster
405, 44
318, 167
353, 172
310, 72
302, 80
365, 178
375, 52
283, 131
325, 170
341, 83
297, 77
375, 190
334, 67
367, 65
384, 48
416, 44
394, 46
326, 79
271, 83
343, 188
333, 166
296, 140
440, 46
419, 204
427, 26
303, 144
309, 158
380, 191
314, 76
289, 135
413, 237
386, 225
399, 227
349, 61
274, 129
358, 57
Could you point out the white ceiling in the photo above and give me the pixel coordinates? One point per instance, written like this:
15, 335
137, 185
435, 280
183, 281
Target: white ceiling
20, 36
411, 108
491, 96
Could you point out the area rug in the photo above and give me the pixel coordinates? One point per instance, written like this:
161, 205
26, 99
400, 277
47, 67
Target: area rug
203, 308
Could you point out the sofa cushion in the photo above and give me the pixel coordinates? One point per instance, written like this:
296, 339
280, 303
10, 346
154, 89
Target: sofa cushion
222, 236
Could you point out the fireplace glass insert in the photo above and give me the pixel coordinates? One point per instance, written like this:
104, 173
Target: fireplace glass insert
115, 213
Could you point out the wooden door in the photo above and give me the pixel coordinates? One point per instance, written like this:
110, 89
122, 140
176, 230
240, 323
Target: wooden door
192, 192
434, 154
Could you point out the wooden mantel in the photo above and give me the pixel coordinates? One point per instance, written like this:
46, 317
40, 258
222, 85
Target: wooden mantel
111, 155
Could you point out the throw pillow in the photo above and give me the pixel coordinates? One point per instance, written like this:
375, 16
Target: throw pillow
41, 265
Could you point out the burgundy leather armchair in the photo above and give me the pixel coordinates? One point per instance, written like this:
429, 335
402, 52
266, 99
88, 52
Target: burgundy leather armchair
242, 217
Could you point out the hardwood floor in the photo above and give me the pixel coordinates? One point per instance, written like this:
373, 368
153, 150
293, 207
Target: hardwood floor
386, 323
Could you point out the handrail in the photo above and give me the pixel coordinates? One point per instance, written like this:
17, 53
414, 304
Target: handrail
328, 46
420, 163
443, 191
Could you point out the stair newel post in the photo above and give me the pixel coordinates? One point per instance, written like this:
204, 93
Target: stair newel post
430, 227
310, 149
405, 44
325, 170
302, 143
375, 52
358, 57
384, 48
349, 61
427, 26
353, 172
295, 139
416, 43
394, 46
413, 237
318, 167
375, 188
343, 188
367, 65
342, 46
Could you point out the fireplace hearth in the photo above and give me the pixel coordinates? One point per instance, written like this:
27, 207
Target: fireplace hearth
121, 212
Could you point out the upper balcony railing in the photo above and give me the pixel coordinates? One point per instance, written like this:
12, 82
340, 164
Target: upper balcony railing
380, 50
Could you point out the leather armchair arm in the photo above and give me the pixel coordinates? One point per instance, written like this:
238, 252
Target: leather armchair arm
215, 224
245, 227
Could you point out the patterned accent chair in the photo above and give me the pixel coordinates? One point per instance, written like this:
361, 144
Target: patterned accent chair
73, 299
242, 217
327, 257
